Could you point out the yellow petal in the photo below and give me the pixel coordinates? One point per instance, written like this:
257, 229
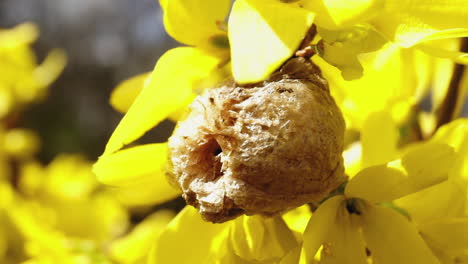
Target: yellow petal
187, 239
379, 138
333, 14
378, 184
261, 40
135, 246
352, 159
342, 47
125, 93
428, 164
293, 256
446, 199
447, 234
391, 238
194, 22
455, 56
138, 171
344, 243
261, 239
319, 225
170, 84
409, 22
128, 165
22, 34
456, 135
384, 85
52, 66
21, 143
298, 218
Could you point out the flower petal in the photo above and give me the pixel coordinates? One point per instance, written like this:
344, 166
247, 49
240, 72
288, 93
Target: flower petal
391, 238
447, 234
125, 93
22, 34
135, 246
258, 238
186, 239
446, 199
293, 256
319, 225
341, 48
410, 22
170, 84
344, 243
379, 138
261, 40
428, 163
298, 218
333, 14
138, 172
456, 135
194, 22
455, 56
361, 97
378, 184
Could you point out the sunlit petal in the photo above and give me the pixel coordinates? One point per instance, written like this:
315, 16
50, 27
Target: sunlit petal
379, 138
333, 14
186, 239
261, 239
344, 243
170, 84
391, 238
447, 234
410, 22
319, 225
261, 40
138, 171
446, 199
378, 184
194, 22
125, 93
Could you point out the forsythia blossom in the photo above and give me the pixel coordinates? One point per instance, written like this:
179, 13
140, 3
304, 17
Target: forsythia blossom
402, 197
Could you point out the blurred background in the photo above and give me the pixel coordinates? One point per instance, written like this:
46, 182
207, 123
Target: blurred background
106, 41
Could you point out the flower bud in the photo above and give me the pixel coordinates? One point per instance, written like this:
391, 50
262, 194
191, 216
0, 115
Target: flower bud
260, 149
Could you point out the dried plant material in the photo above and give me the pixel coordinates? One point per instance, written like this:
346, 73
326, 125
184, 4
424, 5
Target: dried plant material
261, 149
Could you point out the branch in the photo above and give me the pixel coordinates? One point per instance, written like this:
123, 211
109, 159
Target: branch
450, 107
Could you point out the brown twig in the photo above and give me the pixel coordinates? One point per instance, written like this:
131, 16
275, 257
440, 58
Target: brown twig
449, 108
305, 50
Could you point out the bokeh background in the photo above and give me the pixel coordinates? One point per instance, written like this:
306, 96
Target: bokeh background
106, 41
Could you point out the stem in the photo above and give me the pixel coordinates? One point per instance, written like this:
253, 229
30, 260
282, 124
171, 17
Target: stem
451, 106
305, 50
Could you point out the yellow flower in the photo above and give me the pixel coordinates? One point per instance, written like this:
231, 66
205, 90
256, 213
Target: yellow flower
383, 204
60, 214
380, 209
135, 246
168, 89
441, 211
365, 25
248, 239
261, 39
22, 80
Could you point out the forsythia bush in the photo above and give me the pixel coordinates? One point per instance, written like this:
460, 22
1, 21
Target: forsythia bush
396, 188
